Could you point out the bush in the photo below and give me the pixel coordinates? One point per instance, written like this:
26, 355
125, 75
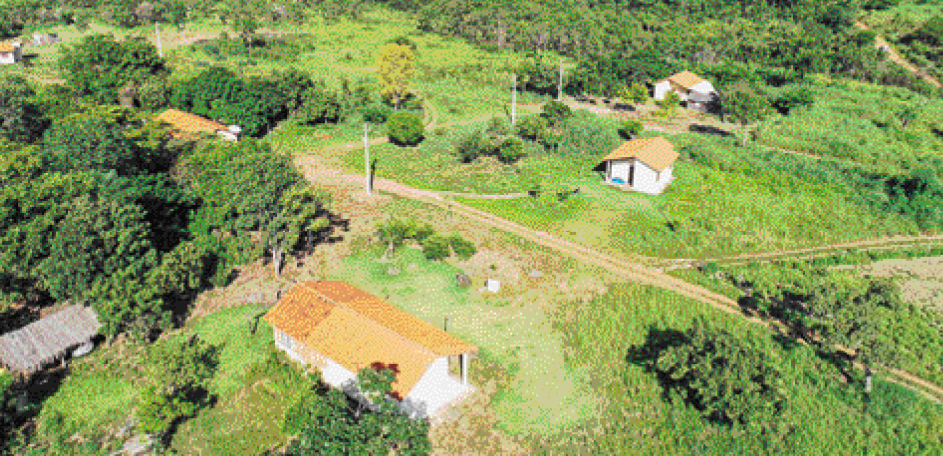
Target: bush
319, 105
932, 31
405, 129
799, 97
532, 127
463, 249
555, 111
376, 113
630, 128
473, 145
498, 126
585, 134
511, 150
436, 248
154, 94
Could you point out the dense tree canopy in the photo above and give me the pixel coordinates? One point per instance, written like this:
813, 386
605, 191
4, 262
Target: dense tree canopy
20, 117
99, 65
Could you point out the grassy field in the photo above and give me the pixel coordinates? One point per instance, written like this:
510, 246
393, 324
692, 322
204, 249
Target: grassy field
254, 387
639, 420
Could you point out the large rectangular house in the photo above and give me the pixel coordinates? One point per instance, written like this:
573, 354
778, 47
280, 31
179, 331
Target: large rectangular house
341, 330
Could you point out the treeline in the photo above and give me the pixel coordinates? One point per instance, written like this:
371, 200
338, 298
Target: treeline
92, 215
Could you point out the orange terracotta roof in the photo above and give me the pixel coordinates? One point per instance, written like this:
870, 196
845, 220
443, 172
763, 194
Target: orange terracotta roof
185, 122
655, 152
7, 46
357, 330
685, 79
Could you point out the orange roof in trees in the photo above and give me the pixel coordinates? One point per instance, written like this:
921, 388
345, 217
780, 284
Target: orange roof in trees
184, 123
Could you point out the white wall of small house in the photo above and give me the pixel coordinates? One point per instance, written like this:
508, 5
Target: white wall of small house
620, 169
425, 397
647, 180
7, 57
661, 89
703, 87
332, 373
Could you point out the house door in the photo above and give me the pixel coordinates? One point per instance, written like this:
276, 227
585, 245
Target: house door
631, 180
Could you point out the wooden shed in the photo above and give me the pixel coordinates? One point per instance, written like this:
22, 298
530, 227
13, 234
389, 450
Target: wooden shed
28, 349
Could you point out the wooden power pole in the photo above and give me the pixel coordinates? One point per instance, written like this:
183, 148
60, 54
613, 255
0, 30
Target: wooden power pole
514, 101
366, 160
160, 50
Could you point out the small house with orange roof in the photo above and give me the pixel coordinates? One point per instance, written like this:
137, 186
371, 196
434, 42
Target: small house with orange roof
695, 91
10, 52
643, 165
186, 125
342, 330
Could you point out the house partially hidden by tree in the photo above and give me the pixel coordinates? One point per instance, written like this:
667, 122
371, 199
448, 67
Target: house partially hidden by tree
644, 165
341, 330
10, 52
697, 92
191, 126
30, 348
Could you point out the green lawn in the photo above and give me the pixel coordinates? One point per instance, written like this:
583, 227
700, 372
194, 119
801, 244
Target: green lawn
824, 416
544, 395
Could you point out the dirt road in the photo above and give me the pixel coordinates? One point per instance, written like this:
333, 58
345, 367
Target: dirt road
896, 58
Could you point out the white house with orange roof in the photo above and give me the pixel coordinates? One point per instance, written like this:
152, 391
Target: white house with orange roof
341, 330
10, 52
644, 165
694, 90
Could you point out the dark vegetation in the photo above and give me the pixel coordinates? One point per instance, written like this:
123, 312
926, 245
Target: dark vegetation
395, 233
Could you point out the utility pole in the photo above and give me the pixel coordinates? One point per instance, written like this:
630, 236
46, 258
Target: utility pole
366, 159
560, 84
160, 51
514, 101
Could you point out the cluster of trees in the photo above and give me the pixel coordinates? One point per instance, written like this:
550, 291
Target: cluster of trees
839, 311
325, 422
724, 376
397, 232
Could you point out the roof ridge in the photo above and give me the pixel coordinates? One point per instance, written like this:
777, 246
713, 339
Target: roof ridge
376, 323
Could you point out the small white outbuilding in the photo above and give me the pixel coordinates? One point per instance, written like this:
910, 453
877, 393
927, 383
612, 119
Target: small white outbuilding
10, 52
644, 165
341, 330
692, 89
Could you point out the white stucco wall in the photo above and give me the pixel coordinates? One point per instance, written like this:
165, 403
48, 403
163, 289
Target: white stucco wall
332, 373
428, 395
620, 169
647, 180
661, 88
703, 87
8, 57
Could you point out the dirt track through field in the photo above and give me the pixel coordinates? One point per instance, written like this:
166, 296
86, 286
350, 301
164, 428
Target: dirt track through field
896, 58
621, 267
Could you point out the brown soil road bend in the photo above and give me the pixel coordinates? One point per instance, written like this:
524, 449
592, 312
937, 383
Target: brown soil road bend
896, 58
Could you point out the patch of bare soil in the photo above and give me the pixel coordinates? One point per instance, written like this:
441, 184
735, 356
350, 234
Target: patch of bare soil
922, 282
470, 428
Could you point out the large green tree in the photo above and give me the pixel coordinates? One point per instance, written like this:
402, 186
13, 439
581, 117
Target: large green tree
20, 117
746, 108
728, 378
99, 65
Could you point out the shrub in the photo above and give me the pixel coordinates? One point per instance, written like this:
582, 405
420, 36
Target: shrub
531, 127
585, 134
498, 126
472, 145
422, 232
319, 105
436, 248
799, 97
463, 249
376, 113
154, 94
511, 150
405, 129
555, 111
932, 31
630, 128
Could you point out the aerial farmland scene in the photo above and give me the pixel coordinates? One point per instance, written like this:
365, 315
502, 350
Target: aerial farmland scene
471, 227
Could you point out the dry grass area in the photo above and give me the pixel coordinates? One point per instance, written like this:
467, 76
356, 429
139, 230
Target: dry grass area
922, 278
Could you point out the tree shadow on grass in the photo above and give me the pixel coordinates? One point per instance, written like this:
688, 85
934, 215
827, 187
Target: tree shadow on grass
646, 354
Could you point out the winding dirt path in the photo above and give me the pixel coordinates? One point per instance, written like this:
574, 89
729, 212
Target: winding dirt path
892, 54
